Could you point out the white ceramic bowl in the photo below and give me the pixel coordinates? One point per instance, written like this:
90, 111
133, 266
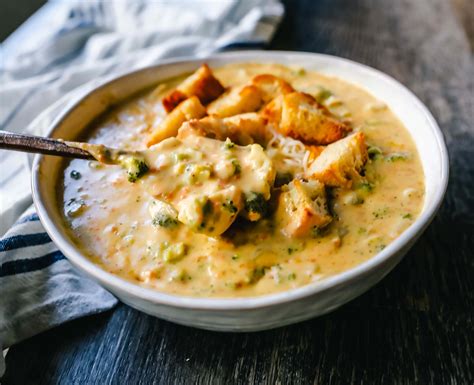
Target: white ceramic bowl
269, 311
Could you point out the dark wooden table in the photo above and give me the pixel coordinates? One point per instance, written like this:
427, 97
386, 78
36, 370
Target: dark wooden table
414, 327
14, 13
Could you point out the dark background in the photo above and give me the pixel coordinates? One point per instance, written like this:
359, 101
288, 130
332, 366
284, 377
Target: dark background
15, 12
414, 327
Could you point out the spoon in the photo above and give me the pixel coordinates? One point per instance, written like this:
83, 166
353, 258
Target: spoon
133, 161
41, 145
59, 147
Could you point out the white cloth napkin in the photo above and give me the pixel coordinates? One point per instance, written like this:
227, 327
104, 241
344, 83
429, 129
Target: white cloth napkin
67, 43
64, 45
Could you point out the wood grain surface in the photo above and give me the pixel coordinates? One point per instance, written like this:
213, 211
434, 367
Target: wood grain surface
415, 327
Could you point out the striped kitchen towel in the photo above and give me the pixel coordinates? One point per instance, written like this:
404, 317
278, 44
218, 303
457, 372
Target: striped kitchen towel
39, 288
73, 43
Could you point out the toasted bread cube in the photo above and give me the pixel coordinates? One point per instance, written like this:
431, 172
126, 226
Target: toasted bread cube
171, 100
201, 83
302, 208
272, 111
303, 118
340, 162
251, 124
215, 128
237, 100
314, 151
242, 129
189, 109
271, 86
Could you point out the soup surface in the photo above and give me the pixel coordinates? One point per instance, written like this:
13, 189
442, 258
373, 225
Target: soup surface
226, 208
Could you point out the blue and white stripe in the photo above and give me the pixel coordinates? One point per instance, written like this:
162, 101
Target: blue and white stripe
39, 288
70, 44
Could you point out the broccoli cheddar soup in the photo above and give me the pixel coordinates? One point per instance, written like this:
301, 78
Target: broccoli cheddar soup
243, 180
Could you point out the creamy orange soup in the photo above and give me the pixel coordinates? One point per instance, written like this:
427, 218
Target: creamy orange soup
187, 226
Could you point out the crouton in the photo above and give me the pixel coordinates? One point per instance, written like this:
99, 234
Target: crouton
314, 151
302, 117
171, 100
235, 101
251, 124
241, 129
271, 86
272, 111
302, 208
201, 83
341, 162
189, 109
215, 128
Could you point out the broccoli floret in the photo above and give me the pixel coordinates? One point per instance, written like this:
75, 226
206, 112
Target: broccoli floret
174, 252
256, 206
237, 167
196, 173
257, 274
323, 94
365, 187
283, 178
135, 167
393, 157
163, 214
230, 207
164, 220
374, 152
207, 208
169, 253
228, 144
300, 72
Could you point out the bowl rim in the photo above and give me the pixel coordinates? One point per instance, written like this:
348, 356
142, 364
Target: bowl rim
243, 303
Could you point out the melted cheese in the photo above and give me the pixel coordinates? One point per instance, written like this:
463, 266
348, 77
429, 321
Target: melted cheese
110, 220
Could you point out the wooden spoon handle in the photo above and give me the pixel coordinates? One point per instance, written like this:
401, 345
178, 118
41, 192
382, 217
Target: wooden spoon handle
37, 144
